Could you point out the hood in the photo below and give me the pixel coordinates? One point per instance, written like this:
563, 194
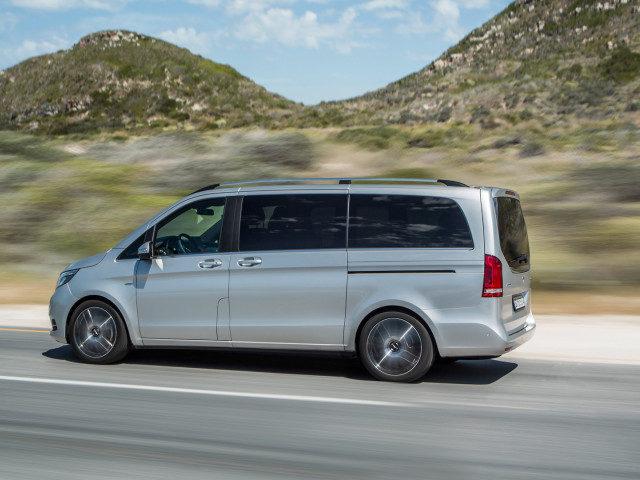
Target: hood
87, 262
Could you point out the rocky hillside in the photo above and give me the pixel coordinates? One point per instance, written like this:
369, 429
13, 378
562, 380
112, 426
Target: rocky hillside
123, 80
550, 59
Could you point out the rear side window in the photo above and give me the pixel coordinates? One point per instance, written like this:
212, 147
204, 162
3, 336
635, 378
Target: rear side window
293, 222
514, 241
407, 221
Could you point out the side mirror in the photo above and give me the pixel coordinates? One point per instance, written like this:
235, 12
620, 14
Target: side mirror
145, 251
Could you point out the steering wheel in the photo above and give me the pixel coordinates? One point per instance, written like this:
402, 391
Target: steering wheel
186, 244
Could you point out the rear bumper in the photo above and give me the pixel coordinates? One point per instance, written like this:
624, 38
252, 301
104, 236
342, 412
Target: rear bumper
523, 335
483, 340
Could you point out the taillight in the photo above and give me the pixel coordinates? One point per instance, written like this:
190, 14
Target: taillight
492, 285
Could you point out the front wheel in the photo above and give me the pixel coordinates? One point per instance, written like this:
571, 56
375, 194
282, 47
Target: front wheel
97, 333
396, 347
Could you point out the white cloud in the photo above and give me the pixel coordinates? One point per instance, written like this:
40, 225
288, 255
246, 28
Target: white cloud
415, 26
237, 7
7, 21
475, 4
447, 10
109, 5
380, 4
188, 38
206, 3
447, 16
30, 48
445, 19
453, 35
392, 15
282, 26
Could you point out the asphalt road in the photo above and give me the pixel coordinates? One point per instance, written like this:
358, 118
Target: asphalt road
218, 415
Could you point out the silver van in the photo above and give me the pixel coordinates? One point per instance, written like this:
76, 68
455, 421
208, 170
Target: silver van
401, 272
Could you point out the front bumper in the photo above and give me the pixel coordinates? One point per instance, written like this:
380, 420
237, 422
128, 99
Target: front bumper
61, 302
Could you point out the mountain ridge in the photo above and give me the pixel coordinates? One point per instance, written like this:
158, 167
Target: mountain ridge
535, 58
543, 60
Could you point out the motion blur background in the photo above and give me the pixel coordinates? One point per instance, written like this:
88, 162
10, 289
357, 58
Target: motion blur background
541, 98
64, 198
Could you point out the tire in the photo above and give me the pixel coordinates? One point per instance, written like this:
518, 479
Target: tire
97, 333
395, 347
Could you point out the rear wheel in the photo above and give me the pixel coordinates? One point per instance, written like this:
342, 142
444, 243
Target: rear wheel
396, 347
97, 333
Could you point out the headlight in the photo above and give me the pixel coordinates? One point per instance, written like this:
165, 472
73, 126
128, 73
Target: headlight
66, 276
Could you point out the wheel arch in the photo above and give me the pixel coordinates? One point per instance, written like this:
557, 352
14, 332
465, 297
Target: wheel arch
395, 308
100, 298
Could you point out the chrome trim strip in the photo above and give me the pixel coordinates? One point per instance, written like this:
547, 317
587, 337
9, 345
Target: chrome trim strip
357, 272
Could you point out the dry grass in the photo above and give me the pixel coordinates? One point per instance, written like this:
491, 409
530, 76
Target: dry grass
588, 302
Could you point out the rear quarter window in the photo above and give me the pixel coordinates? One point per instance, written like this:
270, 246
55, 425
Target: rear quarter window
407, 221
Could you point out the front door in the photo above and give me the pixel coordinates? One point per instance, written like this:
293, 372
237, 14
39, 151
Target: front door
288, 281
180, 289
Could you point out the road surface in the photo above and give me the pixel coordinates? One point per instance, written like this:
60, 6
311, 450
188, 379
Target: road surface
221, 415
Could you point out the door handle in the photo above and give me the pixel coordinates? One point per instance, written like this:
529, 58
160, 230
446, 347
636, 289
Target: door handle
249, 262
210, 263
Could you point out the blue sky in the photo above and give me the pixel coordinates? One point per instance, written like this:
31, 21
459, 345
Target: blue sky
306, 50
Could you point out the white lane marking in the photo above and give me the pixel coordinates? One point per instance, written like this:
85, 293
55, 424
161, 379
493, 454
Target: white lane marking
219, 393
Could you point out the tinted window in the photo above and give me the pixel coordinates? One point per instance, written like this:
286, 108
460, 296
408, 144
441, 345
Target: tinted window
514, 241
192, 229
293, 222
407, 221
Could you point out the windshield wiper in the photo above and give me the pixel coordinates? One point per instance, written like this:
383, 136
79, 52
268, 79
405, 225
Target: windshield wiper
520, 258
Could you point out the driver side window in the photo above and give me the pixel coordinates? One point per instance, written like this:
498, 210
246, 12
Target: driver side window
191, 230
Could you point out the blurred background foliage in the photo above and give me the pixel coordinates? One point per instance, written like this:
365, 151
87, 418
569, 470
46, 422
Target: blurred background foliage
64, 198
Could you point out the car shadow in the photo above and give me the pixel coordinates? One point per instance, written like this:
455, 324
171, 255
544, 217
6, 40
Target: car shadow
462, 372
470, 372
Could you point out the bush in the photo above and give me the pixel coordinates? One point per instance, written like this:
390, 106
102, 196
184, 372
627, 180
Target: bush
623, 65
571, 73
444, 115
409, 173
290, 149
376, 138
616, 233
618, 181
479, 113
531, 149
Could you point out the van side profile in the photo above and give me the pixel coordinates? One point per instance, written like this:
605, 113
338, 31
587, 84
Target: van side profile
400, 272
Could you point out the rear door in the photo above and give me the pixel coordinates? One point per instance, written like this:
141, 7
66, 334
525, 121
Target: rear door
513, 251
288, 280
416, 248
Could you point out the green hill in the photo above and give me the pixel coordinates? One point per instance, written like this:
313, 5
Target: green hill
548, 59
115, 80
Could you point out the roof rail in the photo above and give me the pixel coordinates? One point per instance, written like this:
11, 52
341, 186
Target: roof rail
341, 181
